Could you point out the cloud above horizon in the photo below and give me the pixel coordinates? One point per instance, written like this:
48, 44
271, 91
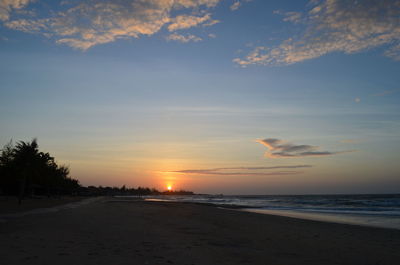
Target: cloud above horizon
7, 6
282, 149
385, 92
85, 24
183, 38
334, 26
233, 171
237, 4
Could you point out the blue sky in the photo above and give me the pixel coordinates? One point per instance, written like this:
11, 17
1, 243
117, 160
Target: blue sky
157, 93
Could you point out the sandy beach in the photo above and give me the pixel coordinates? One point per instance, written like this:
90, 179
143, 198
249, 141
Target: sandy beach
9, 205
112, 231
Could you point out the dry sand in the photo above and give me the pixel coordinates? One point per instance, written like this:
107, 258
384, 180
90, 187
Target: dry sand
138, 232
10, 204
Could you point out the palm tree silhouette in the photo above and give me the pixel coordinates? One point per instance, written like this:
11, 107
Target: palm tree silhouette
26, 158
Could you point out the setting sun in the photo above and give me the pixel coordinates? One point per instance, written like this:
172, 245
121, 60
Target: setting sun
169, 187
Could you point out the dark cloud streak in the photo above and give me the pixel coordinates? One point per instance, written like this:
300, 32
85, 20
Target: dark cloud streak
282, 149
226, 171
218, 173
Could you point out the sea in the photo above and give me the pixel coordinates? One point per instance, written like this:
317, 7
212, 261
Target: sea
377, 210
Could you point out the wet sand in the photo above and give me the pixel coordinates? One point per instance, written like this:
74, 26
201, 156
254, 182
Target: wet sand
112, 231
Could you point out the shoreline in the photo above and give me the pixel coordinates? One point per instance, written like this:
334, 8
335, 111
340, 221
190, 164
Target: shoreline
113, 231
370, 210
49, 205
347, 219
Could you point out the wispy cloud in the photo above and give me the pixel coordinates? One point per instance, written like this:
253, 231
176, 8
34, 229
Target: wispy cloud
7, 6
386, 92
350, 141
85, 24
183, 38
235, 5
278, 173
295, 17
335, 26
244, 171
282, 149
186, 21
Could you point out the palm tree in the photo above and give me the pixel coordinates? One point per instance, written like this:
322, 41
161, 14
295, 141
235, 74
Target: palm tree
6, 157
23, 167
26, 158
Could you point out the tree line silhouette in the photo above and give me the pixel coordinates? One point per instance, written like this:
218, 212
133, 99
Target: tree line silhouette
26, 171
124, 191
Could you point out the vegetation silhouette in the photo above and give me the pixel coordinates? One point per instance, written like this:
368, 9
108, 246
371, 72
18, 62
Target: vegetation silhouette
25, 171
124, 191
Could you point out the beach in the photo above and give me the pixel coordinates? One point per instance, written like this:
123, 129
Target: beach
9, 205
120, 231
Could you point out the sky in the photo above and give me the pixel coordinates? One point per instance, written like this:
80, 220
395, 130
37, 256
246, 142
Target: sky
213, 96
